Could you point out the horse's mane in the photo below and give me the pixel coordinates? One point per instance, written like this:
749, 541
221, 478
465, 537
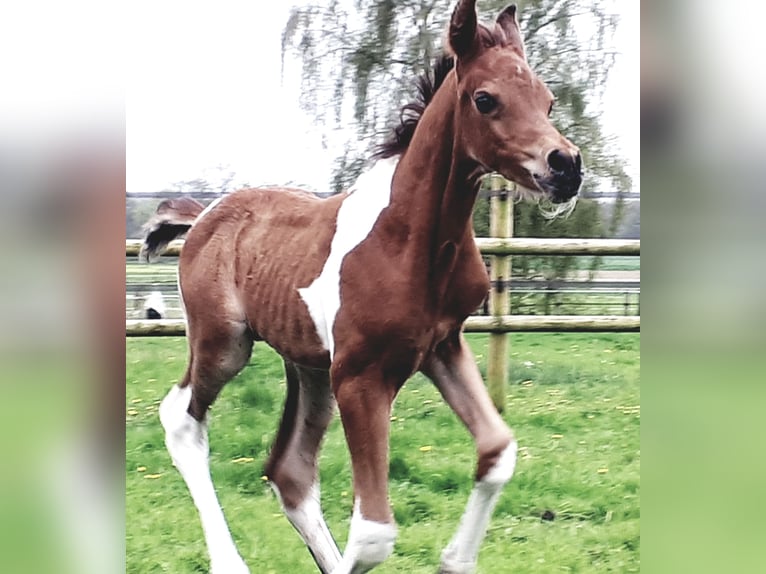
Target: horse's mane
410, 114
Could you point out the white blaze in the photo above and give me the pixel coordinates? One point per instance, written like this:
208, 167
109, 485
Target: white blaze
360, 210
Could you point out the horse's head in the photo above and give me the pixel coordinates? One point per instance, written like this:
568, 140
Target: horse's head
503, 107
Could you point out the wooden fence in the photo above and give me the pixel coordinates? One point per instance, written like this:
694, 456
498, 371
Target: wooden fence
500, 322
496, 246
475, 324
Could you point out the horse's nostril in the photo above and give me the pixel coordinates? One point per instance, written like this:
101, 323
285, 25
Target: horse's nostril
560, 162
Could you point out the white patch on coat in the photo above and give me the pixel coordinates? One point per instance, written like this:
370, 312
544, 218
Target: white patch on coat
156, 302
187, 443
369, 544
207, 209
357, 215
308, 520
181, 298
463, 550
502, 471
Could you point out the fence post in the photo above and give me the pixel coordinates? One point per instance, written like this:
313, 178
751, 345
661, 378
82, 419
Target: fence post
500, 225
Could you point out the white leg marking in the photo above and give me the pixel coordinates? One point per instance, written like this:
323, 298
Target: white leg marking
369, 544
360, 210
308, 520
463, 550
156, 302
187, 443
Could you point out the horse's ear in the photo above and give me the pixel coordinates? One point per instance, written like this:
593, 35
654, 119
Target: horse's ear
510, 25
463, 28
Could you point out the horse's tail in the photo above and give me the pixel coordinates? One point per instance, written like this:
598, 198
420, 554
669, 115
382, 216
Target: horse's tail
172, 219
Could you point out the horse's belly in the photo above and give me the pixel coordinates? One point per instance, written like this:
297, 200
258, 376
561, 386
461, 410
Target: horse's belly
278, 314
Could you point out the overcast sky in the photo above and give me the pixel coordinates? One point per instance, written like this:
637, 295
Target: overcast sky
204, 90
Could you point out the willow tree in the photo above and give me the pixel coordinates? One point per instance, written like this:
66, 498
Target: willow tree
358, 59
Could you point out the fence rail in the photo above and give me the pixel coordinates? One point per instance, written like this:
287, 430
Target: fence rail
170, 285
535, 246
497, 246
133, 246
553, 323
474, 324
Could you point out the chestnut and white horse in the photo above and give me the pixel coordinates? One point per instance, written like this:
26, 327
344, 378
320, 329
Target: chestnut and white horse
359, 291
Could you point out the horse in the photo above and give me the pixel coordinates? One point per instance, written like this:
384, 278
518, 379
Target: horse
359, 291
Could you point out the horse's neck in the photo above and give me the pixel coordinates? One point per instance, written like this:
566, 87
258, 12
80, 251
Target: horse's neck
431, 192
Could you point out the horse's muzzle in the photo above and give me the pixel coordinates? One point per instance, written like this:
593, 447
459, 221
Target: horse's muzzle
564, 189
559, 187
565, 177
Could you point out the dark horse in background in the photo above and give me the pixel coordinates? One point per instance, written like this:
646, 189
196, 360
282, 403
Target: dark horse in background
359, 291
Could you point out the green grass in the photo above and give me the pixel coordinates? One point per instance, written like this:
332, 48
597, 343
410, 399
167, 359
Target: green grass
572, 401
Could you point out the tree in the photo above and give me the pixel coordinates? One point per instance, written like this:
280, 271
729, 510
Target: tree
358, 60
220, 179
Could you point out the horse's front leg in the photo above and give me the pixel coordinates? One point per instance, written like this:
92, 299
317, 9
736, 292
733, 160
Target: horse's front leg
364, 401
453, 370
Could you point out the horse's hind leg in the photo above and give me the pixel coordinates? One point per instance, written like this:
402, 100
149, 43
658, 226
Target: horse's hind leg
292, 467
215, 358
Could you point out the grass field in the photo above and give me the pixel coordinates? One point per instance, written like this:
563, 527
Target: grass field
573, 401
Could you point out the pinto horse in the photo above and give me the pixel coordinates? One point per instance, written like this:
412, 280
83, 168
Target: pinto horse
359, 291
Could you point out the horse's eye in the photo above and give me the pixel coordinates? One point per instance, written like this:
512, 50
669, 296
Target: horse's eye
485, 103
